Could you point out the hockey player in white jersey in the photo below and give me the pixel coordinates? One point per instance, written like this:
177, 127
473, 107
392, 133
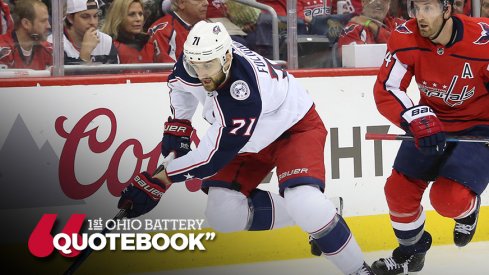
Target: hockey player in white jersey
260, 118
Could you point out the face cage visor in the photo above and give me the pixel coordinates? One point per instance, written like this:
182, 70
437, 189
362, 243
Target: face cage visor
426, 8
201, 70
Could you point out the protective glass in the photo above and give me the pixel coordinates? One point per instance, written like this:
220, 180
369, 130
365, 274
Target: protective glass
425, 8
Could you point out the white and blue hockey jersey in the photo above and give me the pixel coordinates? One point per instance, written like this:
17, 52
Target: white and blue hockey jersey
249, 111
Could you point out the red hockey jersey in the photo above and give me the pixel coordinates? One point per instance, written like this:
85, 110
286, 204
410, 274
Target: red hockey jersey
134, 50
11, 54
453, 79
168, 34
280, 6
216, 9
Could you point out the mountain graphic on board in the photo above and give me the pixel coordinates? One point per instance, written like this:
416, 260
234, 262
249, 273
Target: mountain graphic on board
29, 174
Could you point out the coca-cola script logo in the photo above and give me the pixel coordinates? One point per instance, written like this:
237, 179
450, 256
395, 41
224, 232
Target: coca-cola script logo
67, 178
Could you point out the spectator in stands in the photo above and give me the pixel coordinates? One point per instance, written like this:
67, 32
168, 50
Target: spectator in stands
329, 22
26, 46
462, 7
242, 15
217, 11
170, 32
399, 9
83, 42
124, 23
372, 26
458, 6
6, 21
485, 8
261, 40
468, 8
153, 10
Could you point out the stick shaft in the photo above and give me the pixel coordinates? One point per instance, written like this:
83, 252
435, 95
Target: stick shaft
374, 136
87, 251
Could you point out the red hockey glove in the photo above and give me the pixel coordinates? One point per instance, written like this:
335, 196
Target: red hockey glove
142, 195
426, 129
176, 137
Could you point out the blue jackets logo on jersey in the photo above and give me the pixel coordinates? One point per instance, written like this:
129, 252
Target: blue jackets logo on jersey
240, 90
484, 39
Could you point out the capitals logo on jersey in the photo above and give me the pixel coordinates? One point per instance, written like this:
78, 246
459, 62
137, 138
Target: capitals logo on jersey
348, 29
484, 39
403, 29
156, 28
5, 51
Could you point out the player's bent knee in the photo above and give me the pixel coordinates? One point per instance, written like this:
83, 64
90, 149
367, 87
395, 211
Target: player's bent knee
450, 198
309, 207
399, 192
227, 210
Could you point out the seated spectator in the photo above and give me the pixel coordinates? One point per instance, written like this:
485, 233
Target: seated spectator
261, 40
242, 15
485, 8
329, 25
124, 23
170, 32
26, 46
372, 26
467, 7
319, 20
83, 42
462, 7
458, 6
217, 11
6, 21
399, 9
153, 10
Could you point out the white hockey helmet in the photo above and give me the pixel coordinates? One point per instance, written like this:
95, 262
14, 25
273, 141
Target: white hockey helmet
207, 41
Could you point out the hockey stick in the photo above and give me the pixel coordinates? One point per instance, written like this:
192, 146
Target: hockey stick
87, 251
122, 214
374, 136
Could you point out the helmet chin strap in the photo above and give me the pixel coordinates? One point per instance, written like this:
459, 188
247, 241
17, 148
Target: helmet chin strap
226, 70
442, 26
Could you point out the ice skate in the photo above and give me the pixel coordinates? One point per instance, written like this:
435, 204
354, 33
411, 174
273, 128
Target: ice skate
314, 247
399, 264
465, 228
364, 270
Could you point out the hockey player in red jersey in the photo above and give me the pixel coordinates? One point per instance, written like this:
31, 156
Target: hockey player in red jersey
260, 118
448, 57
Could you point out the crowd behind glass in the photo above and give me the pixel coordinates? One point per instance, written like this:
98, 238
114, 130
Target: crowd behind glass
153, 31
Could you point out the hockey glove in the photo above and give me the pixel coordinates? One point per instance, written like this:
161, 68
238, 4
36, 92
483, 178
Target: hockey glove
426, 129
142, 195
176, 137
